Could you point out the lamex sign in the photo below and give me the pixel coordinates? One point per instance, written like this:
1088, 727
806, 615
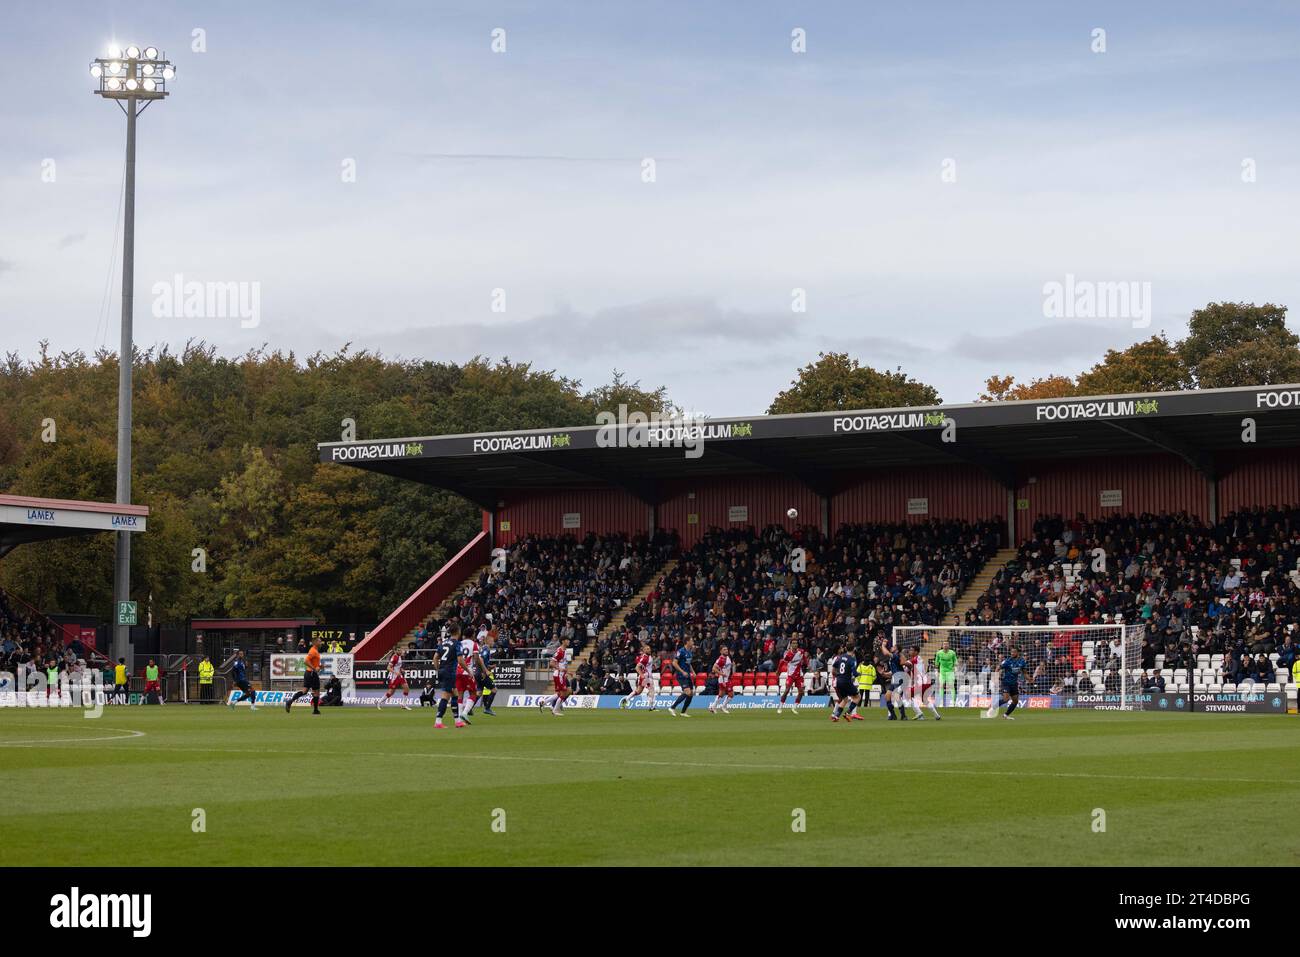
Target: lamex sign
71, 518
382, 450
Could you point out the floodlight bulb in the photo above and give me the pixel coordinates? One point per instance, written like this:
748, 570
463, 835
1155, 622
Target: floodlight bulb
151, 53
168, 73
114, 84
132, 52
96, 70
147, 69
149, 85
131, 84
115, 67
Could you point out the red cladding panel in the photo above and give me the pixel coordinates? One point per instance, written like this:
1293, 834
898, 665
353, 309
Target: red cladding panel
1147, 483
1260, 478
766, 500
952, 492
598, 510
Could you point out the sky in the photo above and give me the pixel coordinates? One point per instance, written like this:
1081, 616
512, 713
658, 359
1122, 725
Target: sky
702, 195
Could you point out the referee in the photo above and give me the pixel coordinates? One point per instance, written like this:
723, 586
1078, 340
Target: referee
310, 679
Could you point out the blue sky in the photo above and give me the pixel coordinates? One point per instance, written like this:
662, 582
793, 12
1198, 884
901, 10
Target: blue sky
522, 171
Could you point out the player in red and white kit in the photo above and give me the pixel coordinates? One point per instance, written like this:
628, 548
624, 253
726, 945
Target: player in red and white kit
644, 680
559, 679
793, 661
724, 670
396, 679
917, 689
467, 675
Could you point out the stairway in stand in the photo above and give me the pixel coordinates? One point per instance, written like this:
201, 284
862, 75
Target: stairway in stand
970, 596
445, 606
624, 610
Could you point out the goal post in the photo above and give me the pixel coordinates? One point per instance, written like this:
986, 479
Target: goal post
1063, 662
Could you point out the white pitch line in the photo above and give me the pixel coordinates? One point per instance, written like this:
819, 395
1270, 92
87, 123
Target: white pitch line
126, 733
643, 762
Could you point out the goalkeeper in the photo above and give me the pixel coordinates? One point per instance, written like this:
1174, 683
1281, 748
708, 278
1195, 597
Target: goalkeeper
946, 661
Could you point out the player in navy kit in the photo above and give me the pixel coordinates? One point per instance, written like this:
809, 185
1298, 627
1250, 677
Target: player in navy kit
844, 673
897, 680
681, 664
1010, 669
450, 659
239, 676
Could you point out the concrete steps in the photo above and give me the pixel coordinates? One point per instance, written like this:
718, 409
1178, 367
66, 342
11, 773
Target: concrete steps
971, 594
445, 606
620, 616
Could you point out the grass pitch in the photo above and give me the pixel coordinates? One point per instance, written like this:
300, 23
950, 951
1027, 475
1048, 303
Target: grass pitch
638, 788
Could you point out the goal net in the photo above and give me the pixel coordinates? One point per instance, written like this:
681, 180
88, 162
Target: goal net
1091, 666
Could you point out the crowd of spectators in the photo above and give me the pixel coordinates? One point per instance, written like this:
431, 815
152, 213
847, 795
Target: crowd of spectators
554, 587
31, 642
1225, 589
756, 590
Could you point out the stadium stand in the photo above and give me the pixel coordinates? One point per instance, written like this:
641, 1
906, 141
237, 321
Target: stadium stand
738, 586
1220, 604
554, 587
30, 641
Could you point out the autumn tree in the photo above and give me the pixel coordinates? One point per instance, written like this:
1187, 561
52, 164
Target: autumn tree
1005, 388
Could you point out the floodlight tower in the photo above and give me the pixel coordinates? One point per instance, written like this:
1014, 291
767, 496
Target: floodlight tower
134, 78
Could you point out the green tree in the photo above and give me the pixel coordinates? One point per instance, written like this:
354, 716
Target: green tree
1238, 343
835, 382
1153, 365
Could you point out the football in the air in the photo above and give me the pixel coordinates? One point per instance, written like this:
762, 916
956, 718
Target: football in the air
793, 513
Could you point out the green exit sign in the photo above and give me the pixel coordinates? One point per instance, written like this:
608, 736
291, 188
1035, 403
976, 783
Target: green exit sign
126, 613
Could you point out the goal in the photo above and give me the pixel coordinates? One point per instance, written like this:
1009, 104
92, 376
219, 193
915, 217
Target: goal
1091, 666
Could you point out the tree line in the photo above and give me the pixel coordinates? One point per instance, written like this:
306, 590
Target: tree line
246, 521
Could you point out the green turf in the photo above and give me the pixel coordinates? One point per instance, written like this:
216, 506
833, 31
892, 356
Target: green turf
608, 787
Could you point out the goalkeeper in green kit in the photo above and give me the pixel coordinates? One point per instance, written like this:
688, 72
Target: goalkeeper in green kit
946, 661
